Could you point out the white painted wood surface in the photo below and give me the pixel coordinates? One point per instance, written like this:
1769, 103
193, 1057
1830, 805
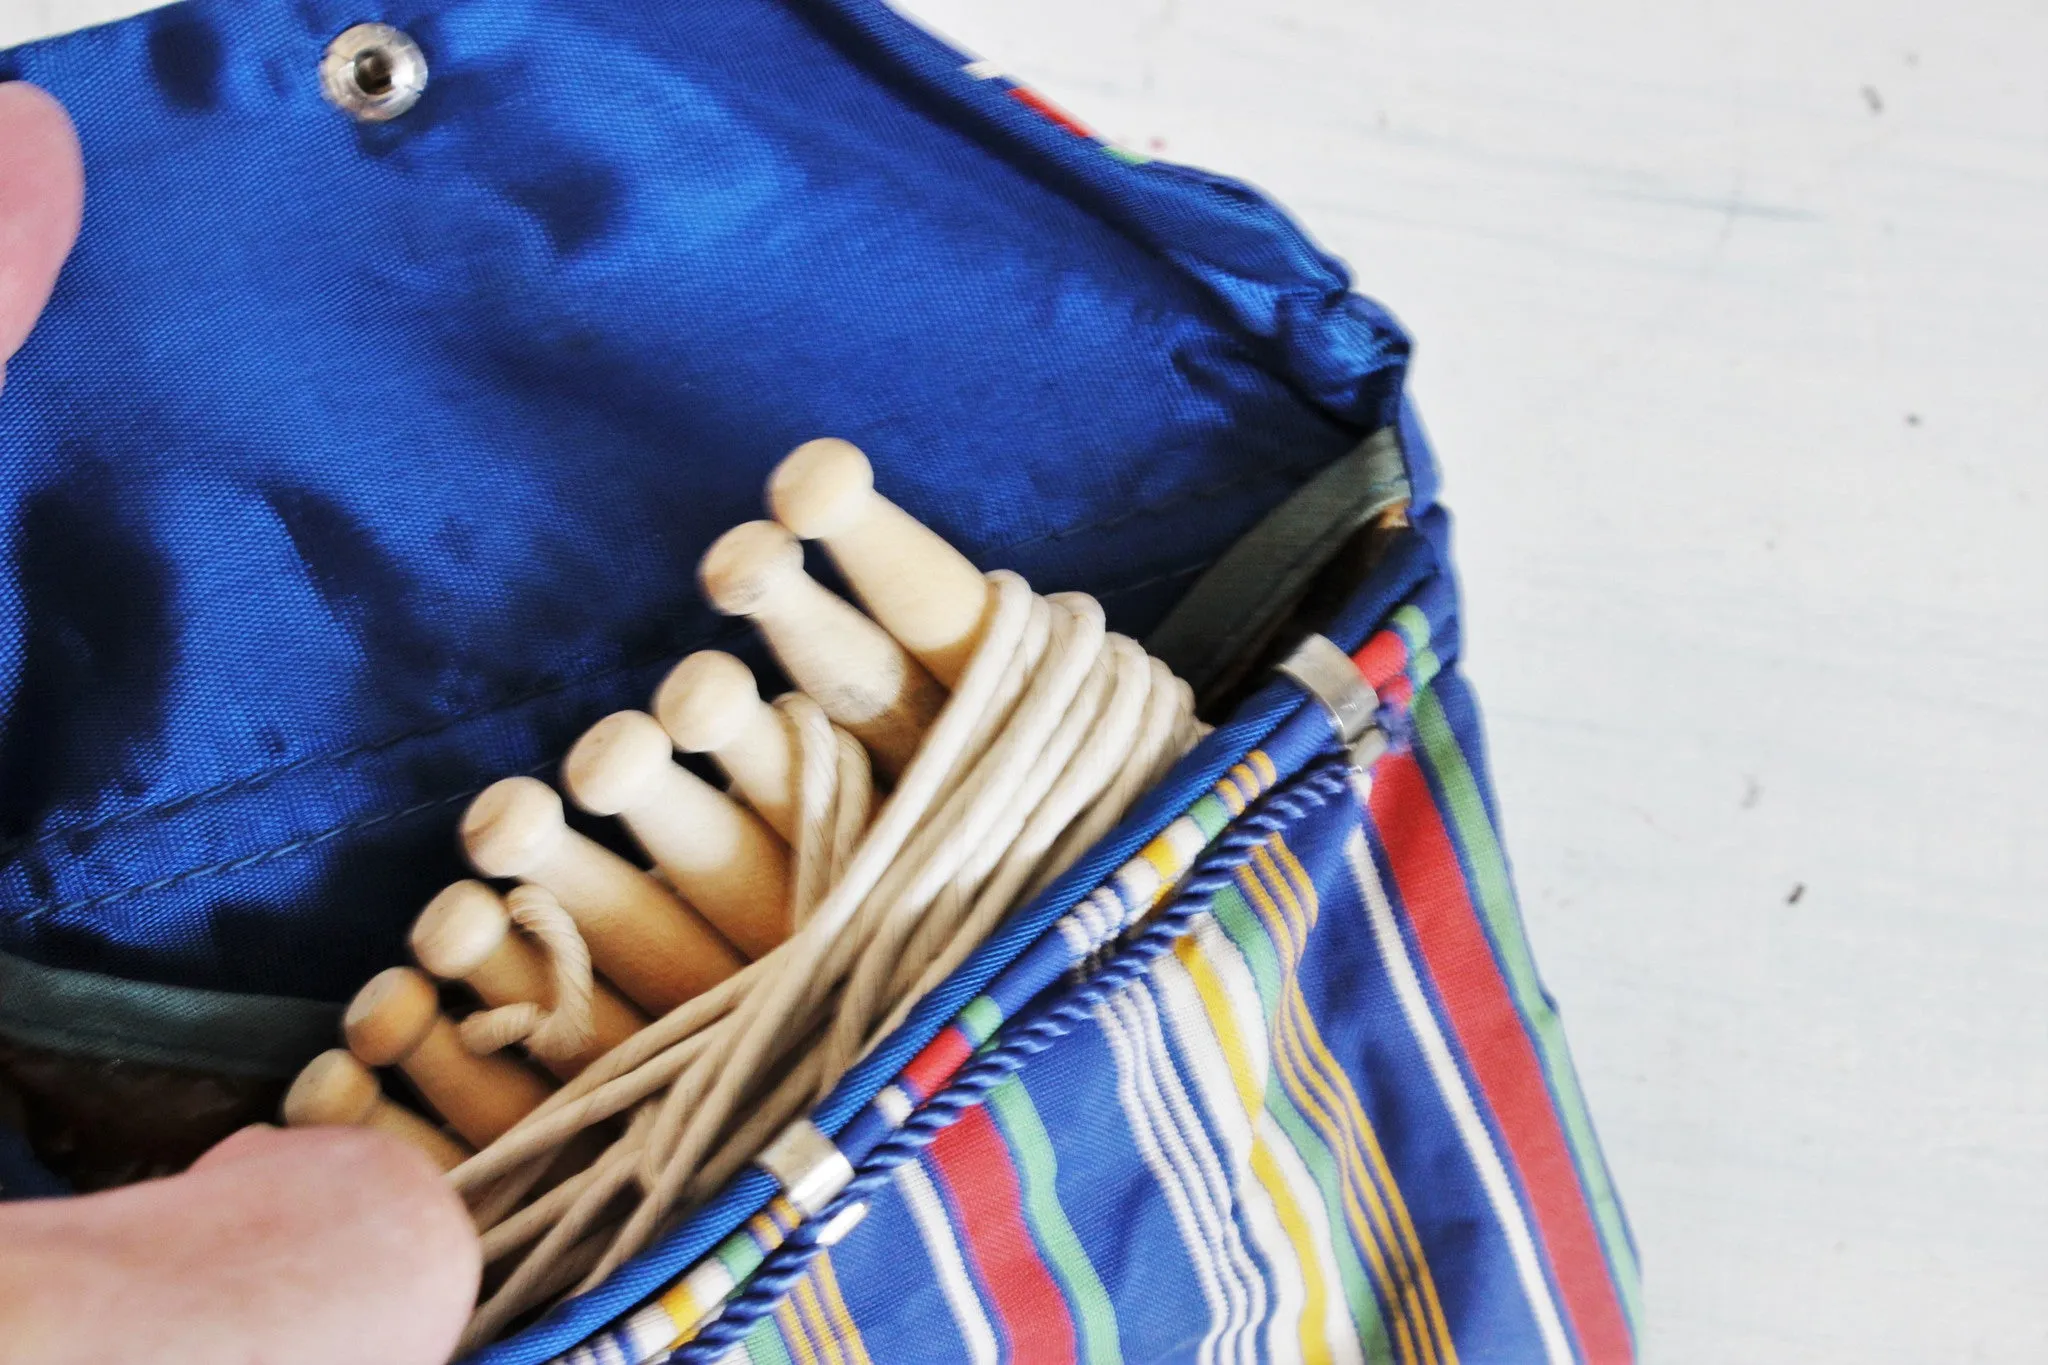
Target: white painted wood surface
1733, 338
1733, 326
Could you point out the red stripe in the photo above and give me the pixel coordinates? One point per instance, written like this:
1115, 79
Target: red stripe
1045, 108
1497, 1046
976, 1166
1382, 659
935, 1064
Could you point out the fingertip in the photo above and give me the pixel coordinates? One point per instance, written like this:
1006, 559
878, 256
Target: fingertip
236, 1146
42, 201
348, 1220
406, 1199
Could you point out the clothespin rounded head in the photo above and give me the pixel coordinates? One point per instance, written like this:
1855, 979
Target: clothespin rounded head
820, 487
511, 826
459, 930
706, 700
618, 763
335, 1088
745, 566
389, 1015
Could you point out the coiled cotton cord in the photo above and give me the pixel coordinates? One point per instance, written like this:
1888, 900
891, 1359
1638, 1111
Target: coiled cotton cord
1055, 727
567, 1027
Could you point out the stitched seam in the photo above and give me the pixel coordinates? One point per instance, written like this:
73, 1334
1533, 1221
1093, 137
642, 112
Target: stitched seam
248, 860
256, 779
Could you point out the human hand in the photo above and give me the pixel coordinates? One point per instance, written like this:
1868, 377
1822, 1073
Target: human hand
313, 1246
310, 1246
42, 193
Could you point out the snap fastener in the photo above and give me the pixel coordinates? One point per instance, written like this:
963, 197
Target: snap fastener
373, 72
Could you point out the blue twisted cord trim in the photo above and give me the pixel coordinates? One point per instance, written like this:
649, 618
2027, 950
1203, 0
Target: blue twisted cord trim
1322, 780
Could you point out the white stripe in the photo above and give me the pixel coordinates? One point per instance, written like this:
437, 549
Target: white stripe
650, 1332
1137, 884
1186, 839
1248, 1011
935, 1230
1225, 1183
1218, 1088
1080, 939
893, 1104
1201, 1224
1478, 1142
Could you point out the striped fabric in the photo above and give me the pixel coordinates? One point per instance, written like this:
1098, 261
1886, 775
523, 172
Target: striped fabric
1334, 1120
1135, 890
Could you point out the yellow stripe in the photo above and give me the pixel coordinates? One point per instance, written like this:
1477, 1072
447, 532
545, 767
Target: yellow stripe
1250, 1089
1223, 1026
685, 1314
793, 1333
1362, 1128
1262, 764
1164, 860
1374, 1235
1315, 1306
835, 1306
1314, 1064
1232, 799
692, 1300
1245, 782
813, 1314
1416, 1272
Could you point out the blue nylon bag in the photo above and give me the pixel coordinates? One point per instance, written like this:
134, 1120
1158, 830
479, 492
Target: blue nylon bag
357, 465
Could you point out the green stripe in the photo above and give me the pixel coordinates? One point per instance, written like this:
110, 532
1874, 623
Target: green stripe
1038, 1172
741, 1255
764, 1344
1314, 1151
980, 1018
1210, 815
1255, 937
1413, 626
1496, 897
1248, 931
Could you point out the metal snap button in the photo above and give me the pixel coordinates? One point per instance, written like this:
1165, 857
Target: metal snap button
373, 72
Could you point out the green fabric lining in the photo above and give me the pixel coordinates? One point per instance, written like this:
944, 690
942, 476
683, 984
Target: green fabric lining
1260, 577
1256, 580
85, 1013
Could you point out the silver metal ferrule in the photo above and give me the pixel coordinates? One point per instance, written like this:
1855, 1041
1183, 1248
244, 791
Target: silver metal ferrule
1332, 679
810, 1168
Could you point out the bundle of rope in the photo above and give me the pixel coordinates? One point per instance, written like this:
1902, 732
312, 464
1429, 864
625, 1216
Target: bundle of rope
692, 1012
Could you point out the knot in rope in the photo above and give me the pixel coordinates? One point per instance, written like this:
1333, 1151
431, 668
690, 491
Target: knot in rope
555, 1033
1053, 729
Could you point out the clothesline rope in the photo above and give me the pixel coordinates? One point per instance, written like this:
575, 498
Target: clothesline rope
1054, 727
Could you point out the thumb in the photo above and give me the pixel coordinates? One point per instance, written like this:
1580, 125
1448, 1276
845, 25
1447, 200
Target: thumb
42, 195
317, 1246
